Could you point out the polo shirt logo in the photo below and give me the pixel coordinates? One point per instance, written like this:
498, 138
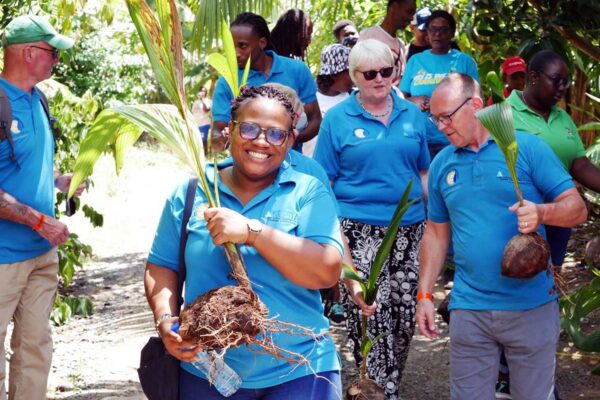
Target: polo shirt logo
14, 127
359, 133
499, 175
570, 134
451, 178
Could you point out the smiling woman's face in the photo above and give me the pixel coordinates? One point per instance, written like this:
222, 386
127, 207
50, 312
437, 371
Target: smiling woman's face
257, 160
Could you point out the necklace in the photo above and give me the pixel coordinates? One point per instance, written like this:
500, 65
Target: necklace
383, 114
544, 115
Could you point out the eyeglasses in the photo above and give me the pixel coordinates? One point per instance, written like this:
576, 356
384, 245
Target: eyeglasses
447, 119
557, 81
251, 131
438, 29
53, 52
372, 74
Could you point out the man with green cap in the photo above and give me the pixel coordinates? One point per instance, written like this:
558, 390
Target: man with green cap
29, 231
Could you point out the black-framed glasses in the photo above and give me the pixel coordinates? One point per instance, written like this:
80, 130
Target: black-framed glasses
372, 74
53, 52
446, 119
251, 131
557, 81
438, 29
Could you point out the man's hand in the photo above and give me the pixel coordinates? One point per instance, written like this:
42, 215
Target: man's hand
528, 216
63, 182
54, 231
425, 317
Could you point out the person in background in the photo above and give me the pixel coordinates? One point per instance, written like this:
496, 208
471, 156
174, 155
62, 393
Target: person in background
398, 16
286, 226
372, 145
252, 38
292, 34
513, 76
426, 69
420, 42
29, 230
333, 84
201, 112
470, 196
344, 28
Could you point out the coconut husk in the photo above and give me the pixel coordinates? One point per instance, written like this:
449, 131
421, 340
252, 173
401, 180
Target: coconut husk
365, 389
525, 256
592, 252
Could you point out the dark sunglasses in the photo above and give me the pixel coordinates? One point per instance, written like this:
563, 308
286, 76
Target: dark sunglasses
251, 131
372, 74
557, 81
53, 52
438, 29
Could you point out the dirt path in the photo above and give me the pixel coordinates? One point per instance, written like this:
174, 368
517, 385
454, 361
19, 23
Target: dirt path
96, 358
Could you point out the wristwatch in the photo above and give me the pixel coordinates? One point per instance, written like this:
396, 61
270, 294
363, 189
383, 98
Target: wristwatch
254, 229
161, 318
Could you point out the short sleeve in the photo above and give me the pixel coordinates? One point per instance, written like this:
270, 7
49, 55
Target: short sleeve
436, 207
424, 157
472, 68
326, 153
407, 78
318, 219
308, 87
221, 107
549, 174
579, 148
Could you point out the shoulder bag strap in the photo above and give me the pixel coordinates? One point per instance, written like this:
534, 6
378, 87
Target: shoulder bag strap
187, 212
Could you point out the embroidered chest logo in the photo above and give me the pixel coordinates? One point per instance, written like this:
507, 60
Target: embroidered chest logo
499, 175
14, 127
451, 178
570, 134
359, 133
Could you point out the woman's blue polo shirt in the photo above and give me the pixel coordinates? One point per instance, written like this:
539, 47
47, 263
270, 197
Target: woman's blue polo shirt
473, 191
295, 203
371, 164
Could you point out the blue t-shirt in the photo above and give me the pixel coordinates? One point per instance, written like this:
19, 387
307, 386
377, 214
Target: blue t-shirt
371, 164
286, 71
295, 203
425, 70
32, 181
473, 191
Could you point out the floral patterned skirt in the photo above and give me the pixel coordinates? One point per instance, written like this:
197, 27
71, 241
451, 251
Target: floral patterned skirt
395, 299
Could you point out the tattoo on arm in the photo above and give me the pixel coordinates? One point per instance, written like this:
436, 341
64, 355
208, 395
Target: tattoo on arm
12, 210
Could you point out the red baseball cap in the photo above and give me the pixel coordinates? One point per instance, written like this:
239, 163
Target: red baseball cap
513, 64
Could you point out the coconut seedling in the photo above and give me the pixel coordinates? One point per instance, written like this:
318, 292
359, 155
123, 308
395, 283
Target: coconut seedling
525, 255
227, 316
365, 388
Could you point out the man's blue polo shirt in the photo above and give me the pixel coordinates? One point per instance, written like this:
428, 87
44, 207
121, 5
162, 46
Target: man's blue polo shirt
286, 71
473, 191
371, 164
295, 203
31, 182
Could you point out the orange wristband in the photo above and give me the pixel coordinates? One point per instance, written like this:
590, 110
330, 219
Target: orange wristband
38, 226
424, 295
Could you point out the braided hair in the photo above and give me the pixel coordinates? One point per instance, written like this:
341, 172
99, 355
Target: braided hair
257, 23
248, 93
290, 34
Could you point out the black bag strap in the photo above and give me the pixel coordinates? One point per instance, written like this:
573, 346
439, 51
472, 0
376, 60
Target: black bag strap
51, 119
187, 213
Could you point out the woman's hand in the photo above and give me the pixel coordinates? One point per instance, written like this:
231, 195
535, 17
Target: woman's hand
367, 310
226, 225
421, 101
182, 350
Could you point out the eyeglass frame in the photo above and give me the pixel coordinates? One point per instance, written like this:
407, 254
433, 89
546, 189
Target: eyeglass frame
262, 131
377, 72
442, 118
53, 52
557, 82
438, 29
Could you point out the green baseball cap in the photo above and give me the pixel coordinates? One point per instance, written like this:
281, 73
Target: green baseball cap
30, 29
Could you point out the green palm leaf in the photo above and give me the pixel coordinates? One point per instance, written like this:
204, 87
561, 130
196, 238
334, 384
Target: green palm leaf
498, 120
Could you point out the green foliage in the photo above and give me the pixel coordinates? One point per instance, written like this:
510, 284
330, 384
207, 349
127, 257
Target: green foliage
66, 307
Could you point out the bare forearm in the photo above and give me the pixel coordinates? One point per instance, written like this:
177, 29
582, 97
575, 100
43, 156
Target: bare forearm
584, 172
301, 261
161, 289
434, 247
567, 210
11, 209
313, 114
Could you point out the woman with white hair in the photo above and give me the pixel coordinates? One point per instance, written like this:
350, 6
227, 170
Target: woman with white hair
371, 146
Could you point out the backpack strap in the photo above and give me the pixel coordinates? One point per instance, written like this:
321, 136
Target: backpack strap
51, 119
187, 212
5, 124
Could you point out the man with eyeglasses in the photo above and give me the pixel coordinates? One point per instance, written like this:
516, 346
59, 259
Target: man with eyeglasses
29, 232
472, 198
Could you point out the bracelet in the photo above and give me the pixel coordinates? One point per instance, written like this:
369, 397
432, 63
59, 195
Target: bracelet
161, 318
38, 226
424, 295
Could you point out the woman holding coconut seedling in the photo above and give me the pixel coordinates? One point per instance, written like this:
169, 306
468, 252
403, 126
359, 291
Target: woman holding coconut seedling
286, 228
371, 146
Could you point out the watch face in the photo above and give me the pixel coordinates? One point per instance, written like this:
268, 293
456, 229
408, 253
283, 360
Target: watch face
255, 225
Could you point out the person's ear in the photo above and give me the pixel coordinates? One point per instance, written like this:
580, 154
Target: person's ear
532, 78
262, 43
477, 103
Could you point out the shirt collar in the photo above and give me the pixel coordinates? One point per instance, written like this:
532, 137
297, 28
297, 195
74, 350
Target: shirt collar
354, 108
516, 100
14, 92
485, 144
276, 67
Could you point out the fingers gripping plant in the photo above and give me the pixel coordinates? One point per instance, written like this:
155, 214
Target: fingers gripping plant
524, 255
363, 387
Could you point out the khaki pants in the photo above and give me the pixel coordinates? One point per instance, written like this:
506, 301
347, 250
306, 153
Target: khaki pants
27, 291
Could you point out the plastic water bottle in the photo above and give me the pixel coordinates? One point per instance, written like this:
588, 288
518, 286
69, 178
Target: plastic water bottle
219, 374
